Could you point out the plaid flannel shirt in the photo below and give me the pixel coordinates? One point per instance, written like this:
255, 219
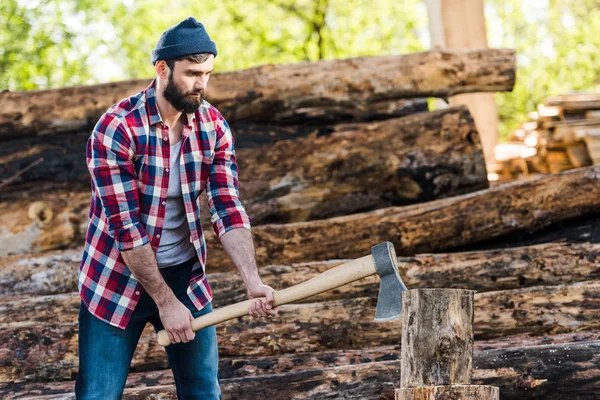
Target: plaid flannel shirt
128, 159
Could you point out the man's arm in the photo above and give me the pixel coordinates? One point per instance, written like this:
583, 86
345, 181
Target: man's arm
230, 221
108, 154
239, 246
175, 317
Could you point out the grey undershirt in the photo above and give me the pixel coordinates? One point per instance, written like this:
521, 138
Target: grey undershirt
175, 246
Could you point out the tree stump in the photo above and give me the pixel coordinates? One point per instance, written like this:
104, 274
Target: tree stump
437, 346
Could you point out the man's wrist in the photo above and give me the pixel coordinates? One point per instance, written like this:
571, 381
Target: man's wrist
165, 298
253, 280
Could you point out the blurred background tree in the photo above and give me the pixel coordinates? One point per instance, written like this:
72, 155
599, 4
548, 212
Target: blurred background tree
55, 43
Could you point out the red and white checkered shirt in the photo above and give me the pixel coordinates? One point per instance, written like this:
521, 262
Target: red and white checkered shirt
128, 159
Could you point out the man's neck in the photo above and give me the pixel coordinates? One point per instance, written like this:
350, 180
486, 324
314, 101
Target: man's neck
168, 113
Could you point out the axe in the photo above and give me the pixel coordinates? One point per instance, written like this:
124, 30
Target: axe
382, 262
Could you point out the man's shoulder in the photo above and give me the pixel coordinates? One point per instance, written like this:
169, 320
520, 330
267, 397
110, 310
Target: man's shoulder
122, 111
128, 105
210, 112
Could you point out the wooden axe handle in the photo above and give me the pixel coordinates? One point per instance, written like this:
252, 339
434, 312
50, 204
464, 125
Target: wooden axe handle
330, 279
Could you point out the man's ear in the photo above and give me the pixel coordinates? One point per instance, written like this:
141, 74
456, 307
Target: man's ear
162, 70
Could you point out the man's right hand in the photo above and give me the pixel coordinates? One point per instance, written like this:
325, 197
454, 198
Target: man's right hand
177, 321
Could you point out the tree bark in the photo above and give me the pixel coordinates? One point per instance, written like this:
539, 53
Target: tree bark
437, 338
454, 392
513, 268
400, 161
507, 210
279, 92
551, 372
523, 206
39, 334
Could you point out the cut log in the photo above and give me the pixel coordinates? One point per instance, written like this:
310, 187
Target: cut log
280, 92
575, 231
505, 210
238, 367
544, 372
551, 372
33, 351
512, 268
59, 222
435, 226
400, 161
62, 154
437, 340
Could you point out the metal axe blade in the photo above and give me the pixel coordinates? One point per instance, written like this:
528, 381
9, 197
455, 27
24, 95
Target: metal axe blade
389, 302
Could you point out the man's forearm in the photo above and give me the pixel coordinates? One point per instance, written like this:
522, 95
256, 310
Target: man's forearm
239, 247
142, 263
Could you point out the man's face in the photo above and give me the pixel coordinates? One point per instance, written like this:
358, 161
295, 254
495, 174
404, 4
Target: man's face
187, 84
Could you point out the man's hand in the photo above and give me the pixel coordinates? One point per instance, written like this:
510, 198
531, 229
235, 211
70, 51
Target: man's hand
177, 321
260, 308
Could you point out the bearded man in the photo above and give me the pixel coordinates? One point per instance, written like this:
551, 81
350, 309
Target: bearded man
150, 156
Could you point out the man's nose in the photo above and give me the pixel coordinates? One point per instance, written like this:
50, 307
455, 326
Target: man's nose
201, 83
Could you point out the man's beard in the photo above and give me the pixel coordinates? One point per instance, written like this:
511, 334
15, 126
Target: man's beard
180, 100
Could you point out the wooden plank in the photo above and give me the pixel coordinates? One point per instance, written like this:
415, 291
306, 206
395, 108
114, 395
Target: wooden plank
578, 155
462, 26
592, 144
575, 102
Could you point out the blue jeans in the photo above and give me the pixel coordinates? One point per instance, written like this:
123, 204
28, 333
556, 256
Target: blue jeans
105, 351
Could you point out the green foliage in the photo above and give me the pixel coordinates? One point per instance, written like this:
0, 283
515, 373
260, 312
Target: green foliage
42, 45
557, 44
55, 43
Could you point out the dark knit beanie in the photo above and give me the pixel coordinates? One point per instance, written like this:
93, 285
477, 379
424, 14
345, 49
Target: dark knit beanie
187, 37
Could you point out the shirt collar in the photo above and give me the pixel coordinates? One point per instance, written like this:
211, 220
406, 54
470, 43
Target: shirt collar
153, 114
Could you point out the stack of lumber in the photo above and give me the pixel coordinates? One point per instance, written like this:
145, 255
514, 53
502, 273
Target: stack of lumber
563, 133
360, 167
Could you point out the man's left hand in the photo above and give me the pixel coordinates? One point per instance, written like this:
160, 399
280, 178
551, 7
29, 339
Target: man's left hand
261, 308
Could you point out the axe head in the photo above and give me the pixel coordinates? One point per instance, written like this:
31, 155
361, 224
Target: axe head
389, 303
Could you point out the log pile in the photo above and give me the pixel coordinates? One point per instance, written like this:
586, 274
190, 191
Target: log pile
563, 133
327, 171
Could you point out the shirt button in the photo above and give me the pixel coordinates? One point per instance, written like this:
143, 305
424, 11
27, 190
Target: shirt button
165, 138
158, 236
137, 293
164, 203
167, 170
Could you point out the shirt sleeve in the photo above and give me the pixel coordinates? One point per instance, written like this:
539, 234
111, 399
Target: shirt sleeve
226, 209
109, 156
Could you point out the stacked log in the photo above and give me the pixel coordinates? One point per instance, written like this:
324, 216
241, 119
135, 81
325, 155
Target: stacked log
42, 329
348, 142
404, 161
528, 206
563, 133
312, 132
